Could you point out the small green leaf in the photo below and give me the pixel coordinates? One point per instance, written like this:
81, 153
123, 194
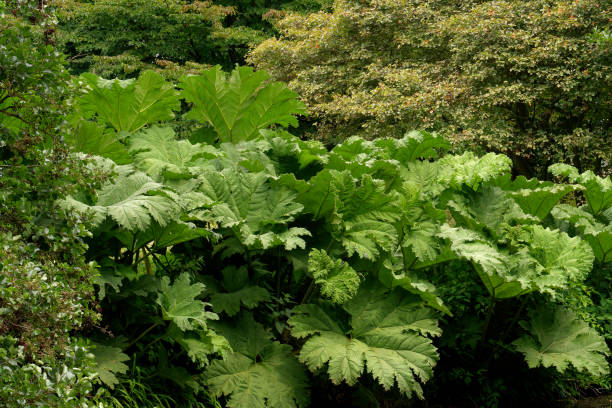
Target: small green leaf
339, 282
109, 361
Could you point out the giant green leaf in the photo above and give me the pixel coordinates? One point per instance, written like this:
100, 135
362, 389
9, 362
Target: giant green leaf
359, 212
389, 339
253, 209
157, 151
259, 373
535, 197
471, 170
133, 200
558, 338
597, 234
413, 146
129, 105
598, 190
92, 139
338, 281
239, 105
109, 360
544, 260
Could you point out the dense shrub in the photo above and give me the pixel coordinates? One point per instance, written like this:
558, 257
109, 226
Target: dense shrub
46, 287
248, 267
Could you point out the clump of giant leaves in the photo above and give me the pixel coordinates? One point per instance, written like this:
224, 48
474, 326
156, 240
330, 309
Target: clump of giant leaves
261, 258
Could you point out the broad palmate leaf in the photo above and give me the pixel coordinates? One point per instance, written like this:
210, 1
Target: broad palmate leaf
598, 190
557, 338
239, 105
597, 234
471, 170
93, 139
359, 211
544, 260
388, 338
179, 304
259, 373
133, 200
255, 211
157, 151
534, 197
129, 105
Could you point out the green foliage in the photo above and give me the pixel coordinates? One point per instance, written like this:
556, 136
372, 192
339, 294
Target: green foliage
130, 104
351, 259
178, 303
177, 31
50, 382
121, 38
133, 201
238, 106
46, 285
236, 282
521, 78
388, 334
260, 372
559, 339
109, 360
339, 282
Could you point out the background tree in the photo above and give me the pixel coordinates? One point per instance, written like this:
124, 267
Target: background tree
522, 78
123, 37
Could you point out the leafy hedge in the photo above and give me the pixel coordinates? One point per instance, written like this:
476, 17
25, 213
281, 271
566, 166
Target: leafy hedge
46, 286
249, 267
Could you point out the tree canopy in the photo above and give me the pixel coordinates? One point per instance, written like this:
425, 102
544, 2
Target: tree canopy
522, 78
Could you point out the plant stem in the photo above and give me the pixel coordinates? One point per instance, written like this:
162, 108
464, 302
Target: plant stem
147, 262
144, 333
515, 318
308, 292
488, 319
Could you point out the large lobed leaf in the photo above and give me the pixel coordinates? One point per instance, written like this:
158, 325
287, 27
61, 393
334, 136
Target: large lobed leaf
388, 339
129, 105
471, 170
109, 361
259, 373
338, 281
557, 338
179, 304
544, 260
598, 190
133, 200
256, 211
91, 138
359, 212
156, 151
239, 105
